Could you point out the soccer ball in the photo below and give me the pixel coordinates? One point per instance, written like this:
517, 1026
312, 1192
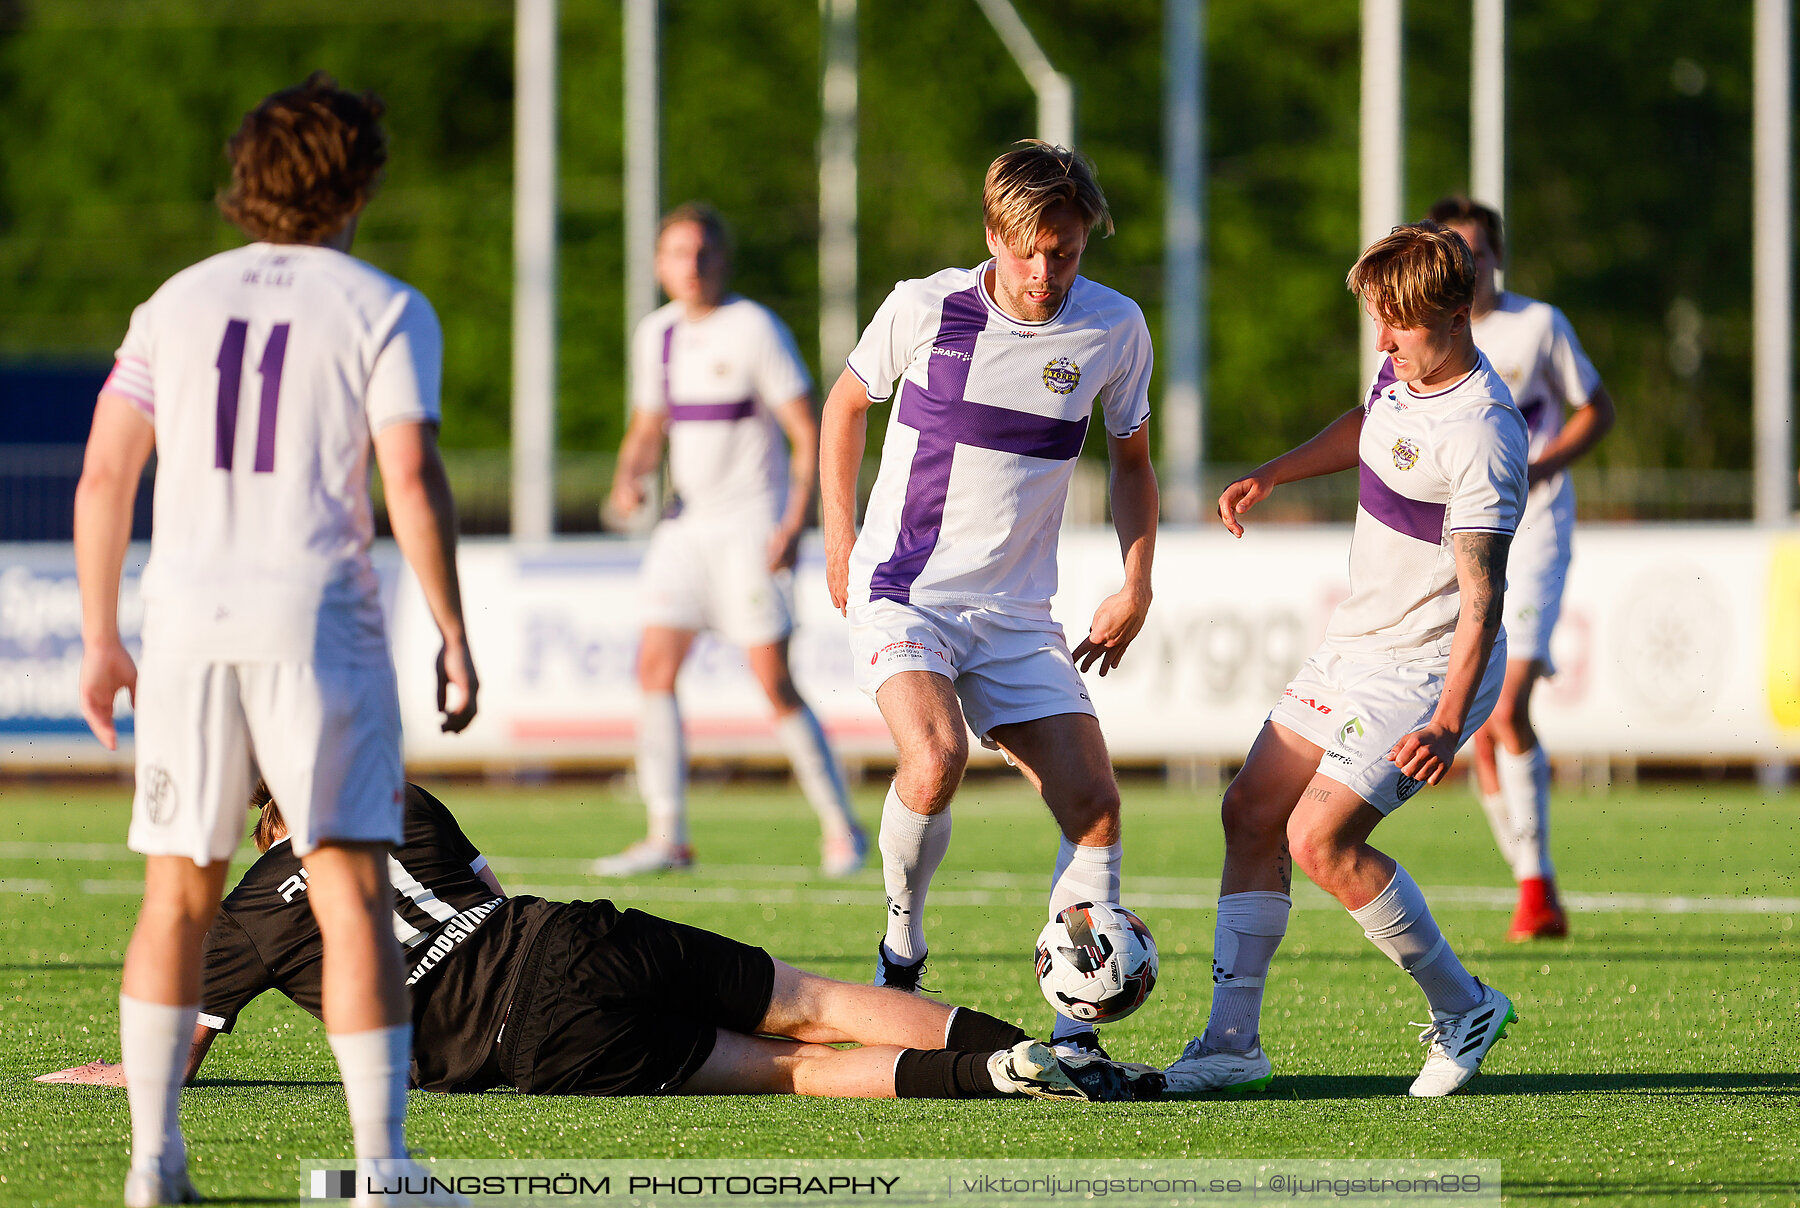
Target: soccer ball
1096, 963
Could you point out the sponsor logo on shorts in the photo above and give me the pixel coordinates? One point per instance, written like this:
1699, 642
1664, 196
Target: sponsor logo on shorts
906, 650
1338, 756
1061, 376
1349, 732
1307, 701
1406, 454
1407, 787
159, 795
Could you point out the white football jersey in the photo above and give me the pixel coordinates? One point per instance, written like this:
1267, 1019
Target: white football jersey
266, 372
1534, 350
1431, 465
982, 440
719, 380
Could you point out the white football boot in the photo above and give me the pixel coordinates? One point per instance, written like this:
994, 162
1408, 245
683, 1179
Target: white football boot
1202, 1069
1456, 1043
150, 1189
647, 855
1032, 1067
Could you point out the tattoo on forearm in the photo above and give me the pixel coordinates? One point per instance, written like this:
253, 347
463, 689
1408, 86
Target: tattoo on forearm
1481, 571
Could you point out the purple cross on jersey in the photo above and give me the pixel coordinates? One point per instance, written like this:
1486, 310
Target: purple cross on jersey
944, 418
679, 412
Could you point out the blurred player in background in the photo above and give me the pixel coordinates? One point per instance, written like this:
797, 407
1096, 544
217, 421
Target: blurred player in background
581, 998
260, 378
1531, 345
719, 376
1411, 666
998, 369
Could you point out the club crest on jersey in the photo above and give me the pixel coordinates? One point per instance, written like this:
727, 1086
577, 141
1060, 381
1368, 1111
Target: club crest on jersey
1061, 376
1406, 454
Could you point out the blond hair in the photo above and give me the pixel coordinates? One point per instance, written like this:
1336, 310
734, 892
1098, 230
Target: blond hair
711, 223
1025, 182
1415, 276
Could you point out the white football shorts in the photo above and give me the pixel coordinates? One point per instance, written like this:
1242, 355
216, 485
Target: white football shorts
1537, 567
1006, 669
326, 738
1357, 708
707, 574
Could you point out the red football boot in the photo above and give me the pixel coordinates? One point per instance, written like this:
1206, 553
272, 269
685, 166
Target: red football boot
1539, 916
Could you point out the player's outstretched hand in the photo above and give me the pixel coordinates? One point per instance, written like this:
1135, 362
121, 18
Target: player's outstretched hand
94, 1073
1118, 620
456, 687
105, 669
1425, 754
1240, 497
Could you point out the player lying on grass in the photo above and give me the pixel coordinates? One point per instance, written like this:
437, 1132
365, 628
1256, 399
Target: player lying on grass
581, 998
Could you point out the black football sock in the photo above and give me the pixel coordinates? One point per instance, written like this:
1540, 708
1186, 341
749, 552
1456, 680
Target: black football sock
943, 1074
974, 1031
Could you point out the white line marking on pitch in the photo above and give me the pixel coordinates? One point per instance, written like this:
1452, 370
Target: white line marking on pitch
970, 888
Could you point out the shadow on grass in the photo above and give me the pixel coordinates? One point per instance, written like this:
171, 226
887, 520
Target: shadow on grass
226, 1083
1363, 1086
61, 966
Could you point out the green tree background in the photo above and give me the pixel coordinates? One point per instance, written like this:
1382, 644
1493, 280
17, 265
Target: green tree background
1629, 177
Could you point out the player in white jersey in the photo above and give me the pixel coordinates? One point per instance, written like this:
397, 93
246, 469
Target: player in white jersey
720, 378
995, 372
1410, 667
261, 377
1532, 346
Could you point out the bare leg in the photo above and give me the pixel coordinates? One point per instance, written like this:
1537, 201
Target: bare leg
1257, 805
808, 1007
758, 1065
1065, 759
353, 901
162, 962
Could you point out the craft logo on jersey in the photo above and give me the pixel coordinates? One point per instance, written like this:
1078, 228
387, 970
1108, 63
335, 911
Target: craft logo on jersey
159, 795
1406, 454
1061, 376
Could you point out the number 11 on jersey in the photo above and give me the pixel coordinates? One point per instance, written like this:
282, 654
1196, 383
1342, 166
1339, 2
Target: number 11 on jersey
231, 376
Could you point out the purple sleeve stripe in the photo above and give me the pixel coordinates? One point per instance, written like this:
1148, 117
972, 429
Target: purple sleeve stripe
684, 412
1413, 518
1534, 416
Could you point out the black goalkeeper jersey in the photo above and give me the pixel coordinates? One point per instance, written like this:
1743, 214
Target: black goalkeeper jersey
463, 945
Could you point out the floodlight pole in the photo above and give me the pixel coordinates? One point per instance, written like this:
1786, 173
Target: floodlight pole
643, 164
1773, 235
1487, 108
837, 186
1055, 92
1383, 171
1184, 246
534, 273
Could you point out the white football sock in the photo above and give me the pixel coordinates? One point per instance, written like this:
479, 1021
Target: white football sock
816, 768
154, 1040
662, 768
1249, 929
374, 1066
1501, 823
1525, 786
912, 847
1083, 874
1400, 924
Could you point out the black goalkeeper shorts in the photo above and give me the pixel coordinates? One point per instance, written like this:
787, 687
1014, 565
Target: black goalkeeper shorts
626, 1003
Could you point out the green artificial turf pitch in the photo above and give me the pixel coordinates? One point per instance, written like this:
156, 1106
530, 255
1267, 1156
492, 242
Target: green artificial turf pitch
1655, 1060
